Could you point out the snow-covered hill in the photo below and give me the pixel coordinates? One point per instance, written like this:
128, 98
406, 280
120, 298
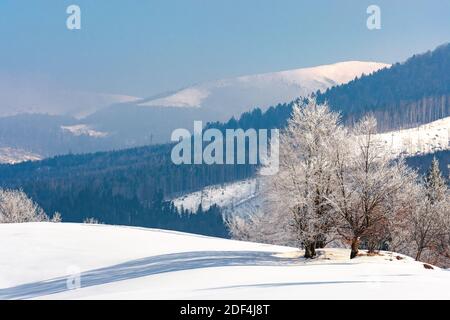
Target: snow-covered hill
13, 155
233, 96
42, 261
427, 138
242, 197
229, 195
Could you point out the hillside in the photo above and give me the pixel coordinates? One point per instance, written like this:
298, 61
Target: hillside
156, 264
232, 97
128, 122
11, 155
405, 95
418, 145
134, 186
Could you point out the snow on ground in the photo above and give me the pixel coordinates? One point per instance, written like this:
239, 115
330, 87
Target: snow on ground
37, 261
242, 197
226, 195
84, 130
14, 155
427, 138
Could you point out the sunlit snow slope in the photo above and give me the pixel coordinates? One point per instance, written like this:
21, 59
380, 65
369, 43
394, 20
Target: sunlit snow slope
39, 260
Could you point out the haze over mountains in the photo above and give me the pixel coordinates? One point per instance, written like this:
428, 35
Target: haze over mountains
35, 94
231, 97
49, 131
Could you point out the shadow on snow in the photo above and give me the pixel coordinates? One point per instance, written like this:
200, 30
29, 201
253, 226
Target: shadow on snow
150, 266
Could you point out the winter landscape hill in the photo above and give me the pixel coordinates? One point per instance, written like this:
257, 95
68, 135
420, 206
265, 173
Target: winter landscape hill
43, 261
242, 197
138, 122
232, 97
407, 94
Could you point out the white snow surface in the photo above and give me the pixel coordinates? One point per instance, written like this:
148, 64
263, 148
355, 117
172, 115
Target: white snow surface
236, 95
84, 130
427, 138
37, 261
225, 195
242, 197
15, 155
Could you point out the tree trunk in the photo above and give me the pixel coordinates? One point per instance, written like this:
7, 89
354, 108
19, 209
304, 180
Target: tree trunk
313, 249
310, 250
355, 247
419, 253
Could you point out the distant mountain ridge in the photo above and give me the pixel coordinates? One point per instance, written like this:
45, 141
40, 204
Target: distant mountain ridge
405, 95
263, 90
152, 120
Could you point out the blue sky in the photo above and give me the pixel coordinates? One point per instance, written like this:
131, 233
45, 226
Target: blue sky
144, 47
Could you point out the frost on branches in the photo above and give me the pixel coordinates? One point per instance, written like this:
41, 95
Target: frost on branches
336, 183
369, 188
16, 207
301, 188
429, 225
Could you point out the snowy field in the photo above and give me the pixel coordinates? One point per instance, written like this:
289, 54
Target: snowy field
39, 260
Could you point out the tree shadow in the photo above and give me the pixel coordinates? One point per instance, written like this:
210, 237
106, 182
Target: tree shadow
150, 266
289, 284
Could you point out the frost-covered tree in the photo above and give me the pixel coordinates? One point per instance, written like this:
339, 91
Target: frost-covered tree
17, 207
91, 220
297, 196
436, 188
367, 183
429, 225
56, 217
336, 182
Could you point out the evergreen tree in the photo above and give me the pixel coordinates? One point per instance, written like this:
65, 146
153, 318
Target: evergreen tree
435, 183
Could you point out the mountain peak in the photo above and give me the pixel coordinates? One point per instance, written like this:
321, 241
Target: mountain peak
264, 89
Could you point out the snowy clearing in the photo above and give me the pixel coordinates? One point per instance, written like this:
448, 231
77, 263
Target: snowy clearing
14, 155
137, 263
228, 195
427, 138
84, 130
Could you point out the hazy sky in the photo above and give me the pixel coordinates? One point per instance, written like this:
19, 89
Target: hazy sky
144, 47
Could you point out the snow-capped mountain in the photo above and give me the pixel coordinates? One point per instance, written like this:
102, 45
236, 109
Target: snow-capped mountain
106, 122
75, 261
231, 97
219, 100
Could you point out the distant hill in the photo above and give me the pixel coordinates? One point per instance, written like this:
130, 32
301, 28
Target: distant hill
404, 95
132, 186
138, 122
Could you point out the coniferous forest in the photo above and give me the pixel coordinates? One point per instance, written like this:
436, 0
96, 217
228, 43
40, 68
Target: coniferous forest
134, 186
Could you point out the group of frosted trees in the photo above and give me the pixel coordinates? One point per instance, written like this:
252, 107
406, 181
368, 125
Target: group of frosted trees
17, 207
342, 185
